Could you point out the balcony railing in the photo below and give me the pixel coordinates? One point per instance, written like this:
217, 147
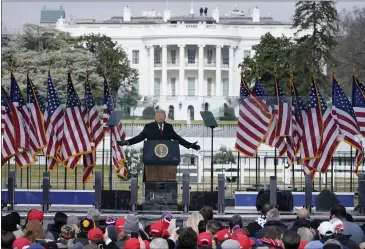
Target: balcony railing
209, 64
171, 64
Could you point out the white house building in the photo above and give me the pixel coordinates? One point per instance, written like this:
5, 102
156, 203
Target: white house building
186, 63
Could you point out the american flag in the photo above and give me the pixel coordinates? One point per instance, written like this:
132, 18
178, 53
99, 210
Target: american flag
358, 103
29, 155
330, 138
76, 140
54, 118
253, 122
345, 118
284, 112
271, 139
297, 109
117, 133
18, 102
95, 130
313, 125
9, 147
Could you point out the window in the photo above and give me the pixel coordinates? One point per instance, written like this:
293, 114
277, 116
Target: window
225, 55
173, 56
157, 87
191, 86
191, 112
191, 56
135, 56
210, 86
247, 54
225, 86
171, 114
210, 56
135, 84
173, 86
157, 56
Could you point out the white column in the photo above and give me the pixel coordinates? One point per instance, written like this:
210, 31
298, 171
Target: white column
231, 71
201, 85
152, 70
164, 72
182, 85
218, 71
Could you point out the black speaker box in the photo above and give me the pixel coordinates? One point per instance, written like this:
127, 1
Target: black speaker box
161, 193
325, 200
285, 201
198, 199
115, 200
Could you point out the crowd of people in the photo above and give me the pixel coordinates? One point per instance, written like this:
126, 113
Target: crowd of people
201, 231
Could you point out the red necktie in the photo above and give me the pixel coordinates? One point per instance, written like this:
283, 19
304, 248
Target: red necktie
161, 131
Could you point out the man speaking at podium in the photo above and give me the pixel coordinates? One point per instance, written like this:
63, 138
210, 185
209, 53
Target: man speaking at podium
159, 130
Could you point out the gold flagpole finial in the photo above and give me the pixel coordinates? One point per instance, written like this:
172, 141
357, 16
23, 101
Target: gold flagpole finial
257, 74
334, 70
27, 63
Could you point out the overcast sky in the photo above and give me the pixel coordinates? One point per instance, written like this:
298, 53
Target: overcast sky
15, 14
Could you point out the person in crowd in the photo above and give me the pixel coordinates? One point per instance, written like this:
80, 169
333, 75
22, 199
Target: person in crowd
338, 211
67, 236
111, 237
20, 243
60, 219
130, 227
36, 246
82, 237
254, 227
244, 241
10, 223
291, 240
272, 238
326, 231
188, 238
7, 239
272, 220
134, 243
221, 236
362, 245
34, 231
302, 220
230, 244
341, 237
158, 230
193, 221
314, 228
332, 244
94, 215
305, 234
96, 238
213, 226
35, 214
202, 226
236, 226
207, 213
159, 243
205, 240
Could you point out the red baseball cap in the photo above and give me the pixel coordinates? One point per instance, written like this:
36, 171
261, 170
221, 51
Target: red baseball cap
222, 235
132, 243
95, 234
205, 239
245, 242
119, 223
20, 243
157, 228
35, 214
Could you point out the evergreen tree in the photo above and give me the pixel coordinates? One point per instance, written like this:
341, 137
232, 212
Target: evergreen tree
317, 25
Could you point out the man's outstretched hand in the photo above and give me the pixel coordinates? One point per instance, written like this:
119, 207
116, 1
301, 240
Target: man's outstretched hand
122, 143
195, 146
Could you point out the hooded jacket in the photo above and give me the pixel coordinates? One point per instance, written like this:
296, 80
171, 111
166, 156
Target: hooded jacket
271, 223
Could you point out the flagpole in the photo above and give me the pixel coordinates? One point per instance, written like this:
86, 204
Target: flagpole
351, 168
238, 170
275, 164
111, 159
102, 166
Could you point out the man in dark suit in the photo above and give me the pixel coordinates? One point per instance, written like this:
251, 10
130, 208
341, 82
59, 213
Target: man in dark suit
159, 130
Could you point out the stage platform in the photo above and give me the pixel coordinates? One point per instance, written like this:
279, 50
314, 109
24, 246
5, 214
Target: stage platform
146, 217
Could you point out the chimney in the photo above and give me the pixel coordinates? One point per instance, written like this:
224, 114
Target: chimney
166, 15
215, 14
127, 14
256, 15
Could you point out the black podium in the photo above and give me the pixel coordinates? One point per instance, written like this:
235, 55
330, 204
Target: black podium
160, 159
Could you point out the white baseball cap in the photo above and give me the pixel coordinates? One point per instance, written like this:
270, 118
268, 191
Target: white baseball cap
326, 228
337, 224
